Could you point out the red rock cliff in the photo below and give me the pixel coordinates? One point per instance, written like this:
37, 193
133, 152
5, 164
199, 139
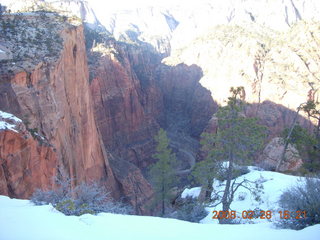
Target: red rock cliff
53, 99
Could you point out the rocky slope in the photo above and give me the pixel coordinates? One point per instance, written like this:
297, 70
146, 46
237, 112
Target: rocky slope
279, 70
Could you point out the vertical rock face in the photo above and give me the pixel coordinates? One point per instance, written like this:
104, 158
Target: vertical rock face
126, 119
134, 94
53, 99
187, 105
125, 110
26, 163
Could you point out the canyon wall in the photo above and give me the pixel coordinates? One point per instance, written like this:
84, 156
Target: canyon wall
52, 97
51, 94
279, 70
135, 94
26, 162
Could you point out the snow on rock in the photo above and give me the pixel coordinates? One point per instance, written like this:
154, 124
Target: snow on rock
8, 121
193, 192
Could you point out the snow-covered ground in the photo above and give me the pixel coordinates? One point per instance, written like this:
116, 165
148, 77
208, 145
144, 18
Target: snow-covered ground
272, 186
21, 220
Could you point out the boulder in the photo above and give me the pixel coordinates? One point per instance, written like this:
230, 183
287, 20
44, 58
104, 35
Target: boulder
272, 154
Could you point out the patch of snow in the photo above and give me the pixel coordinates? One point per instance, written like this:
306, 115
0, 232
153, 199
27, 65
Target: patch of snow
7, 126
21, 220
38, 135
225, 164
9, 116
8, 121
193, 192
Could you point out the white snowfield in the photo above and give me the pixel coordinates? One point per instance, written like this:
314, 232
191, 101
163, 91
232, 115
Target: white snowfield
273, 185
21, 220
9, 118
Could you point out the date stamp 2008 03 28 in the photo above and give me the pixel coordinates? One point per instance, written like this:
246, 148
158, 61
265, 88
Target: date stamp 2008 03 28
261, 215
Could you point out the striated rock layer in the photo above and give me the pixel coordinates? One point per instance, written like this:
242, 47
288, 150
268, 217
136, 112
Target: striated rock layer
53, 99
26, 163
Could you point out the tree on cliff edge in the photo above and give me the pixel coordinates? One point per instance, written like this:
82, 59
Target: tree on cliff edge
163, 171
236, 140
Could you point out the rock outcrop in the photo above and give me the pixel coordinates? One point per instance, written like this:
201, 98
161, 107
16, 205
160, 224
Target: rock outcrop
27, 161
272, 153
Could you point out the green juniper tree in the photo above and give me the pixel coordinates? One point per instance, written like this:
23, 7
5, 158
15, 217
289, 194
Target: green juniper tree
311, 109
204, 171
162, 173
236, 140
307, 144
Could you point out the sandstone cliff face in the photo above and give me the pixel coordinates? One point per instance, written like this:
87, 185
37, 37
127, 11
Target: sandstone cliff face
53, 98
26, 162
134, 94
125, 114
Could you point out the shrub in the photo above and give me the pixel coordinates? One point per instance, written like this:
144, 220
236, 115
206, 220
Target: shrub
85, 198
242, 196
191, 211
304, 197
40, 197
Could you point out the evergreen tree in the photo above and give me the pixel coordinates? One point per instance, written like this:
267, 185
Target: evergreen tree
306, 144
311, 109
236, 141
204, 171
163, 171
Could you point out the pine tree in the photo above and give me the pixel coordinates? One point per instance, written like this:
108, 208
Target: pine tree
163, 171
236, 141
204, 171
